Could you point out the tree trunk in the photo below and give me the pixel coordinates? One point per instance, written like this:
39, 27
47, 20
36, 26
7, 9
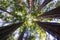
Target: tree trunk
43, 4
30, 5
55, 13
7, 30
52, 28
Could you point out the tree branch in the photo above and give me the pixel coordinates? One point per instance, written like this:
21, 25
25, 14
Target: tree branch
4, 10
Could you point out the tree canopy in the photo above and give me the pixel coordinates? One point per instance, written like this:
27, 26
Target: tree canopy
28, 19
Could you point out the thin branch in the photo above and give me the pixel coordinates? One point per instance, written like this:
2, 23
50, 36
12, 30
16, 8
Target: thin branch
4, 10
14, 15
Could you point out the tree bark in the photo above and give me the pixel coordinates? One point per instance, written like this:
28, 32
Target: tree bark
30, 5
54, 13
52, 28
7, 30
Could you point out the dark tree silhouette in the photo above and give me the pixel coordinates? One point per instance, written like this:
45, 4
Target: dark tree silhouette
7, 30
54, 13
52, 28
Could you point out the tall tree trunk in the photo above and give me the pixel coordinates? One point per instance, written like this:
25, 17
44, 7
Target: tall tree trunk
30, 5
54, 13
43, 4
7, 30
52, 28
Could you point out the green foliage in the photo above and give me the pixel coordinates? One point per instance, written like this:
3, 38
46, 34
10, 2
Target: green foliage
20, 13
58, 4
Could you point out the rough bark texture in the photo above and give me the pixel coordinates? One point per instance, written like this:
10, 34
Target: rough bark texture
52, 28
55, 13
43, 4
7, 30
